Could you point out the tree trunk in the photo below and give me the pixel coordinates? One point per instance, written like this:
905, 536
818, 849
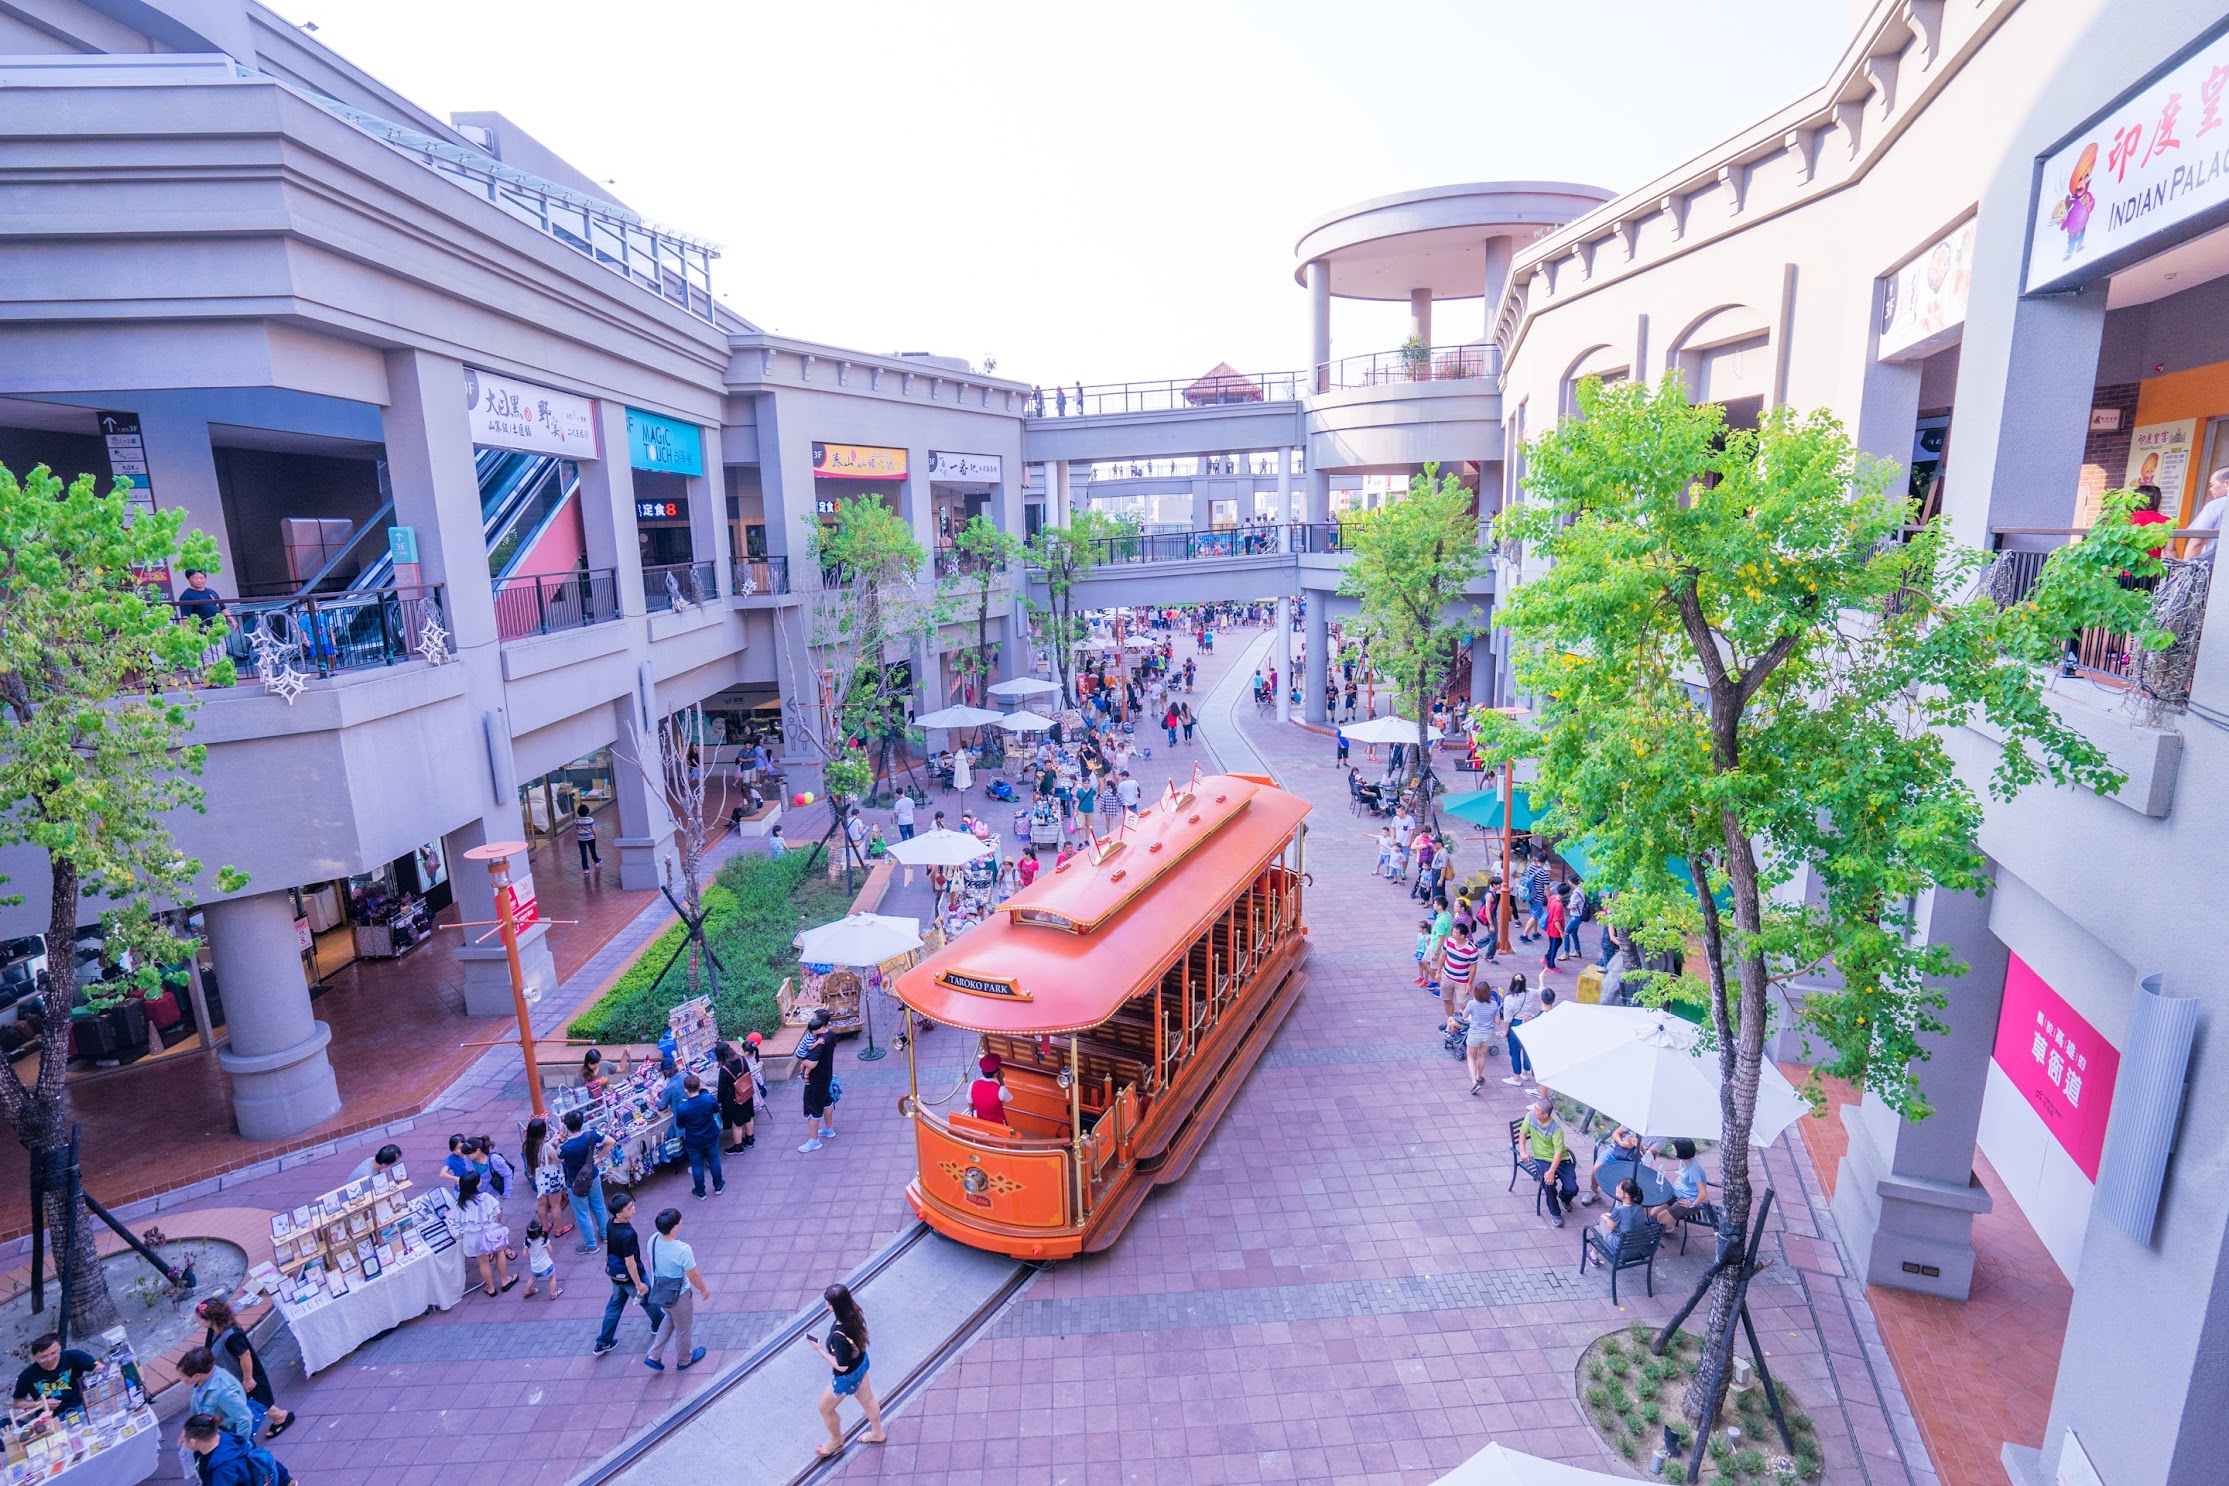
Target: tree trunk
1741, 1057
43, 1118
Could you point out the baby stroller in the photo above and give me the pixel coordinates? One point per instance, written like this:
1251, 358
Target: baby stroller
1452, 1041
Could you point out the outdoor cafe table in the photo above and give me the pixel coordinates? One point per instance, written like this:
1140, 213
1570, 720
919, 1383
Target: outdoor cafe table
1655, 1191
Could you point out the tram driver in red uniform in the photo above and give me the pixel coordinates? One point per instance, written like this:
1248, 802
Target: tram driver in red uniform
988, 1096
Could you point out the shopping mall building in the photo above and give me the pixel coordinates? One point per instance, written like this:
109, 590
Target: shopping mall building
422, 378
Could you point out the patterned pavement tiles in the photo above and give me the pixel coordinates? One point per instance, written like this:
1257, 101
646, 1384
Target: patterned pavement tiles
1345, 1287
503, 1389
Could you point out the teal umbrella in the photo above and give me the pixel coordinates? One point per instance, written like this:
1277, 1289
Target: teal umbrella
1484, 808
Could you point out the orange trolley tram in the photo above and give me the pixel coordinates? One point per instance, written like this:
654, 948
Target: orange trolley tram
1128, 991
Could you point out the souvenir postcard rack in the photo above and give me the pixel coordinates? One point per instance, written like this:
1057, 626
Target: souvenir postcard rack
41, 1448
353, 1234
627, 1109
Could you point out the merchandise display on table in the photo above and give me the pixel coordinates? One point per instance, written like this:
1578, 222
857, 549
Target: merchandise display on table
111, 1441
627, 1108
358, 1261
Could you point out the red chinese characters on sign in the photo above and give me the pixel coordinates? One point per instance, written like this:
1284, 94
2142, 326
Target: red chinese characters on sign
2125, 143
2209, 96
2163, 136
524, 907
2058, 1062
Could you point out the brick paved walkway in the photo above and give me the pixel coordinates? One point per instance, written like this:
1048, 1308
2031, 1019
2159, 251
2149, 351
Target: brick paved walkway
1342, 1288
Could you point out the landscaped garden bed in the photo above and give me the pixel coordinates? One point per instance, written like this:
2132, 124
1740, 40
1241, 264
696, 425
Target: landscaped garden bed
1629, 1396
752, 911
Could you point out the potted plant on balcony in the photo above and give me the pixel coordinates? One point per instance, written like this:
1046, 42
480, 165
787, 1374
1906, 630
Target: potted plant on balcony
1416, 358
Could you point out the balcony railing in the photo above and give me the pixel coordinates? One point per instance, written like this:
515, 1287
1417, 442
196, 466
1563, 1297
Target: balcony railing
1424, 364
674, 584
544, 604
2178, 606
761, 575
323, 634
1186, 546
1318, 537
1235, 389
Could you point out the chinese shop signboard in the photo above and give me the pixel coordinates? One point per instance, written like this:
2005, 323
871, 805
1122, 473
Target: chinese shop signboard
2058, 1062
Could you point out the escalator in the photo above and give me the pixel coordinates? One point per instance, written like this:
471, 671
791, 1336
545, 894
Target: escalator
520, 496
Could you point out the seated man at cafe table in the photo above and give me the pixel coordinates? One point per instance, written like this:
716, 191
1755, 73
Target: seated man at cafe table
1543, 1153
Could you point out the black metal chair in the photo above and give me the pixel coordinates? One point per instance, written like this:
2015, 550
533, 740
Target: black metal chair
1516, 1145
1701, 1215
1632, 1250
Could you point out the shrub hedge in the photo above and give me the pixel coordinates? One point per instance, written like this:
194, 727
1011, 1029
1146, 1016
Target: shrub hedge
753, 908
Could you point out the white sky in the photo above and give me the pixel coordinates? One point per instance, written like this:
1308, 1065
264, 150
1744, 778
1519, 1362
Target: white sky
1084, 191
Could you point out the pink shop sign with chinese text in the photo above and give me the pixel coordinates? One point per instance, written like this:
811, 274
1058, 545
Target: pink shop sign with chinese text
2058, 1062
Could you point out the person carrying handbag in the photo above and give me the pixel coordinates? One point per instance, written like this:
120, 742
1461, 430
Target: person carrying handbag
673, 1278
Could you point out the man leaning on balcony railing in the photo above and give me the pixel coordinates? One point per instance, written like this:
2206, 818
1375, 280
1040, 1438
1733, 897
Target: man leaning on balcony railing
2205, 527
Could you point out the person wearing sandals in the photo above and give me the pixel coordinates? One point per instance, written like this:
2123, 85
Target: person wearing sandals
227, 1341
845, 1352
547, 1174
480, 1219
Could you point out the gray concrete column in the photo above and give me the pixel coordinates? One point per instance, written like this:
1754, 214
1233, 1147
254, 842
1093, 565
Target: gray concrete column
1420, 315
607, 507
1319, 321
1318, 502
708, 513
1284, 485
1319, 658
274, 1047
1284, 653
183, 471
645, 840
1905, 1195
1499, 251
487, 972
1482, 669
437, 491
2043, 367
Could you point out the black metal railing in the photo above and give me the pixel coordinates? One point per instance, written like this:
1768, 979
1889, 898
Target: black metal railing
2103, 655
760, 575
955, 562
542, 604
1410, 364
1235, 389
1318, 536
1188, 545
669, 585
322, 634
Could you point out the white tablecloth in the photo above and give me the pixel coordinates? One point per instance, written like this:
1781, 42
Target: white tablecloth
331, 1331
124, 1464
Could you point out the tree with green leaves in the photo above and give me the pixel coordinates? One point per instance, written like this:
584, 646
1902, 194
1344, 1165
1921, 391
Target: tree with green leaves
1065, 556
1739, 656
986, 556
869, 599
1414, 562
96, 717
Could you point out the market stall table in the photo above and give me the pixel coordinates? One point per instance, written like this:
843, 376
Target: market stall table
330, 1330
132, 1459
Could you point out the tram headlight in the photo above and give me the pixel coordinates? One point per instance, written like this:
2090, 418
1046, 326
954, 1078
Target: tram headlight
976, 1181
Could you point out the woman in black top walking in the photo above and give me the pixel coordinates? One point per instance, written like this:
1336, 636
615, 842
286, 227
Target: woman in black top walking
738, 1098
228, 1342
846, 1355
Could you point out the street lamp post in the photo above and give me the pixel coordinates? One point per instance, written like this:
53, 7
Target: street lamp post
498, 854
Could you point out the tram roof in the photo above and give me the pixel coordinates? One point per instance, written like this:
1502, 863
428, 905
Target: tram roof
1134, 911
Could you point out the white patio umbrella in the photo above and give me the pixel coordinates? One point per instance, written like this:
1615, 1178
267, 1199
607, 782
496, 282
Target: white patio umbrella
1024, 722
1024, 686
859, 939
940, 848
1387, 729
1641, 1068
1498, 1465
958, 717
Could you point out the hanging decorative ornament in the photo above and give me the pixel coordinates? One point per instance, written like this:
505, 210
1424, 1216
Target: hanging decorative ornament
673, 592
433, 640
274, 664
